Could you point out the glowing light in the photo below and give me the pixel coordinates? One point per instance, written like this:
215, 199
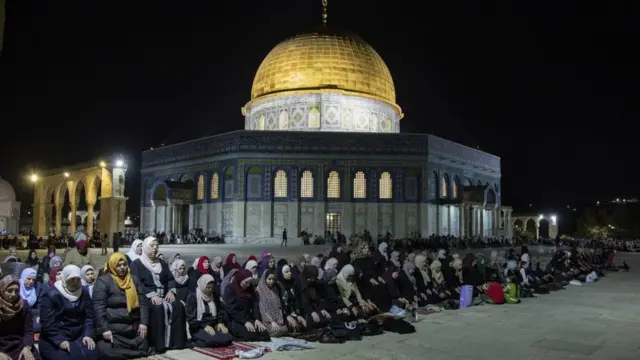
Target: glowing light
554, 218
119, 163
103, 164
540, 217
34, 177
66, 174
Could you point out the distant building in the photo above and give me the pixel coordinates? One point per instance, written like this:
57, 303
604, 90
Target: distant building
9, 209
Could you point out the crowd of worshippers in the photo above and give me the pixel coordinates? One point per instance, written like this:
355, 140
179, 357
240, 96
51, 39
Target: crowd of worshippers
138, 304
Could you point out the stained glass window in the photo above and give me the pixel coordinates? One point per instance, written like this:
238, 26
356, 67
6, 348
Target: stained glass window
386, 186
280, 184
359, 186
306, 185
333, 185
215, 186
200, 194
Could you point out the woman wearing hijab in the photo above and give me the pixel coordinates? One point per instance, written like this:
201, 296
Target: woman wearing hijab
242, 309
321, 306
88, 278
231, 263
440, 286
167, 323
424, 286
216, 270
346, 282
16, 323
252, 266
398, 297
205, 315
121, 311
264, 262
370, 282
292, 303
202, 267
67, 320
55, 274
32, 259
228, 279
135, 251
317, 262
30, 291
270, 303
179, 270
45, 266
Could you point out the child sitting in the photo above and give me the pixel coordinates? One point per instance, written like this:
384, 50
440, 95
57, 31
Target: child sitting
511, 289
493, 293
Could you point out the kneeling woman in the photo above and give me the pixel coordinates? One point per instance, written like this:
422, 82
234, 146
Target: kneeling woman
67, 320
270, 303
242, 309
204, 315
346, 281
167, 324
16, 332
122, 313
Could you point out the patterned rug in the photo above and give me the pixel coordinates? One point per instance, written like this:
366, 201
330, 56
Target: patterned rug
225, 353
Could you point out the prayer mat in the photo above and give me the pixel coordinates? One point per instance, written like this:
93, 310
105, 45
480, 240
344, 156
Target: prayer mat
227, 352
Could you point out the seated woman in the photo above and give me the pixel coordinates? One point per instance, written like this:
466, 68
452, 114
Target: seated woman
217, 271
471, 275
493, 291
88, 278
122, 312
134, 252
440, 286
297, 269
205, 315
16, 332
202, 267
424, 286
67, 320
399, 294
321, 305
228, 279
30, 291
453, 276
252, 265
167, 323
45, 265
231, 263
179, 270
55, 274
32, 259
346, 282
270, 304
291, 294
242, 309
370, 279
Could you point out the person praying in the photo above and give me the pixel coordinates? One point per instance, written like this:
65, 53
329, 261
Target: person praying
242, 309
30, 291
205, 315
202, 267
167, 323
88, 278
67, 320
270, 303
179, 270
16, 323
121, 311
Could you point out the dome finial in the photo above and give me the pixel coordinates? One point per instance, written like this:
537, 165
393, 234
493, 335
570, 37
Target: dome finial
324, 12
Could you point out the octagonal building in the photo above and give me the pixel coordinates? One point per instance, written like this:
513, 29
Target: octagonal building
322, 152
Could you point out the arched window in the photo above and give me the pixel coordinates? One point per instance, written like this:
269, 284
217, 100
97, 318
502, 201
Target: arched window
443, 187
215, 190
280, 185
306, 185
333, 185
454, 189
386, 186
200, 193
359, 186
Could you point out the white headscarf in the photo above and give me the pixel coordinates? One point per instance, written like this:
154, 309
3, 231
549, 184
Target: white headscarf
155, 266
132, 252
202, 298
83, 271
69, 272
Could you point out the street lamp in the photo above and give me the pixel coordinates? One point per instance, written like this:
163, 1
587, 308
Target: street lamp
103, 164
34, 178
66, 174
119, 163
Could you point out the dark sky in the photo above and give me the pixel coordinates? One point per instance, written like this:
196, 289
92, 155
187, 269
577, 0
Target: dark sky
551, 87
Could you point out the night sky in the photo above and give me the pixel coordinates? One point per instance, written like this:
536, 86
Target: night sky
551, 87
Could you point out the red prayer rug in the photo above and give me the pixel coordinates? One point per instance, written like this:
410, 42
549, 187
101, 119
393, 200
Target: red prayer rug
227, 352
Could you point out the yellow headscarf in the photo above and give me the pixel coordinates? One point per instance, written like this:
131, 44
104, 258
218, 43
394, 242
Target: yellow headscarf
125, 283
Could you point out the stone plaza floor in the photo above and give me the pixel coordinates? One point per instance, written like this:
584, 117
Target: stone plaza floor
593, 321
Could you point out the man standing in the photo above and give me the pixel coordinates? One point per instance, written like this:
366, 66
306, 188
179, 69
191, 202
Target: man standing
284, 238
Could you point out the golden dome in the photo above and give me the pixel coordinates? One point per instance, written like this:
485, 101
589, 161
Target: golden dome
324, 60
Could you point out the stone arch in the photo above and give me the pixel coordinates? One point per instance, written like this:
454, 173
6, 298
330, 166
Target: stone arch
228, 183
531, 227
160, 192
491, 198
468, 182
544, 227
